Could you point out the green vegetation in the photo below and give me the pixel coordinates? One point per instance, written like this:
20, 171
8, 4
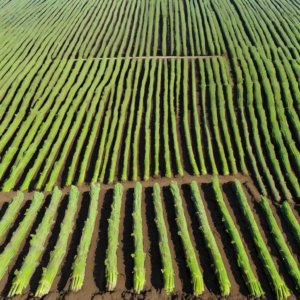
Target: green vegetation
291, 220
102, 91
185, 119
12, 247
252, 283
111, 268
59, 251
278, 286
282, 247
79, 263
139, 255
191, 260
166, 259
10, 213
210, 241
37, 244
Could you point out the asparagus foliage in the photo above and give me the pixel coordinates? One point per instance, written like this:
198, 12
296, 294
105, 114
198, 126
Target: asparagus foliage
10, 213
79, 263
210, 241
12, 247
166, 259
279, 288
111, 270
282, 247
37, 243
197, 280
242, 258
139, 255
291, 220
59, 251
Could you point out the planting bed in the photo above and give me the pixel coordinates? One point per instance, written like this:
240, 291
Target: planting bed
94, 282
160, 92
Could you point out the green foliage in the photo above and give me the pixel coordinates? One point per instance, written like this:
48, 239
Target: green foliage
233, 121
207, 30
121, 121
204, 119
166, 121
139, 255
164, 12
147, 122
60, 248
210, 242
278, 286
192, 263
111, 268
214, 112
156, 27
18, 236
242, 258
115, 116
79, 263
166, 259
185, 118
196, 120
37, 243
254, 125
222, 114
130, 122
173, 119
10, 213
280, 133
291, 220
103, 136
282, 247
157, 118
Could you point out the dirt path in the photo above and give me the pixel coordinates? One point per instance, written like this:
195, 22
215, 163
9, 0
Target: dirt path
157, 57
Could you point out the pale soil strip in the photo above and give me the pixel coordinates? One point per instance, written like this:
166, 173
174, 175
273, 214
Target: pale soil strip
156, 57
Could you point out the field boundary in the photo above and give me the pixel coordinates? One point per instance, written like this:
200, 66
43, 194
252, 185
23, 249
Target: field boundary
154, 57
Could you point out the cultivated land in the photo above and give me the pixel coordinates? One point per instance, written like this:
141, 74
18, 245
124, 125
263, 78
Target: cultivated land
104, 103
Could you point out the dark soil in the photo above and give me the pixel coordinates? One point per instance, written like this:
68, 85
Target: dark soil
94, 283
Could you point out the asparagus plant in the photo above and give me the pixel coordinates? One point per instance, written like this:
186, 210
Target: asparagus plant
12, 247
252, 283
111, 269
282, 247
59, 251
139, 255
197, 280
278, 286
37, 243
291, 220
10, 213
210, 241
79, 263
166, 259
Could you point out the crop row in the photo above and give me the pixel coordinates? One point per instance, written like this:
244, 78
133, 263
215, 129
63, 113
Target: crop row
265, 62
30, 31
74, 120
38, 241
116, 105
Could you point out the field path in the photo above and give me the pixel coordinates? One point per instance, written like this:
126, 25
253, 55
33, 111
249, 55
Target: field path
157, 57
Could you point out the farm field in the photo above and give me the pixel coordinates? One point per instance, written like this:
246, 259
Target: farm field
163, 138
229, 104
94, 284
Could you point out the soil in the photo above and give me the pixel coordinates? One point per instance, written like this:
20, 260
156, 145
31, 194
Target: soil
94, 283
